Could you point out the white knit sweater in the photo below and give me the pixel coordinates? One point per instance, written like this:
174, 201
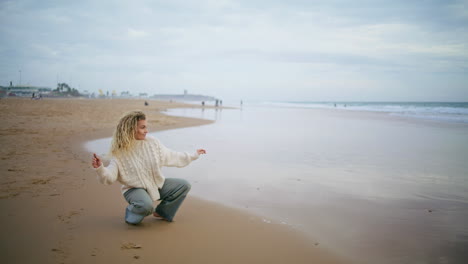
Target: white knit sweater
141, 168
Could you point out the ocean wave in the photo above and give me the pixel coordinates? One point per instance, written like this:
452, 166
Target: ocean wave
438, 111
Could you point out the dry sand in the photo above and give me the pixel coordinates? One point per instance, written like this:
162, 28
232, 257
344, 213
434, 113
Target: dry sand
55, 211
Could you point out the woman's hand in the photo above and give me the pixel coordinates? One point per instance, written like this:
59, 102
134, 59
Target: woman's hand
96, 161
201, 151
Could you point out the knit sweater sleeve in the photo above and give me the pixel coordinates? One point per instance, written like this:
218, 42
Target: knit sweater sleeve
171, 158
108, 175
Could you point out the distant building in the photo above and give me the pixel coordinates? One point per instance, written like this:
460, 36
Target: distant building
24, 91
125, 94
86, 93
183, 97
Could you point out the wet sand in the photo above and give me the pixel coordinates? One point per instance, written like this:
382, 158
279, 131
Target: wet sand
377, 188
55, 211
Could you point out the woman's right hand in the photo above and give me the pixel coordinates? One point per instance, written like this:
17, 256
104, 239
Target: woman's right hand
96, 161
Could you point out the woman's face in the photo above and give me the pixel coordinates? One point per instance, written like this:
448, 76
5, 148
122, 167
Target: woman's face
141, 130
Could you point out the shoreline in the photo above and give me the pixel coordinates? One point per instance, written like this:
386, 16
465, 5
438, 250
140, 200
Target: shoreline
57, 212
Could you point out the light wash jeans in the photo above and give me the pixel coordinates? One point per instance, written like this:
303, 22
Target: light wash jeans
172, 194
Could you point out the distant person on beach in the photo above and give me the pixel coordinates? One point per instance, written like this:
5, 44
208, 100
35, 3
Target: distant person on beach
146, 103
136, 163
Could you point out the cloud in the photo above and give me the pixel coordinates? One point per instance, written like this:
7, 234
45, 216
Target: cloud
249, 46
134, 33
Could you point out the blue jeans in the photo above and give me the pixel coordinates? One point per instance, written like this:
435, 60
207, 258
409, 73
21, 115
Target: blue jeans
172, 194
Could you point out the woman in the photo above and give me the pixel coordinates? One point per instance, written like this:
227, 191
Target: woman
136, 163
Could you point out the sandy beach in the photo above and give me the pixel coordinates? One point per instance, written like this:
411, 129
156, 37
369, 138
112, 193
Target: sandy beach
55, 211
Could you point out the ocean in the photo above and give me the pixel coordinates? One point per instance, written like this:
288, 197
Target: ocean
374, 186
438, 111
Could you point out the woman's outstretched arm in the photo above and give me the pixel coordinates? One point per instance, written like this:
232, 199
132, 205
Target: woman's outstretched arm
171, 158
106, 175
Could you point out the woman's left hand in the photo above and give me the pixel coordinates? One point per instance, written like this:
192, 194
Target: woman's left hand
201, 151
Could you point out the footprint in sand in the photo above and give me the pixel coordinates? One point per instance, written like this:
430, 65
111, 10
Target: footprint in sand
130, 245
57, 250
94, 252
67, 217
60, 253
41, 181
15, 169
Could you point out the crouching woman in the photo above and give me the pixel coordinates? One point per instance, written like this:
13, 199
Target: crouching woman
136, 163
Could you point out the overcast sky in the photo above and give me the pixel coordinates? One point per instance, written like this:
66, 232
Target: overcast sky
361, 50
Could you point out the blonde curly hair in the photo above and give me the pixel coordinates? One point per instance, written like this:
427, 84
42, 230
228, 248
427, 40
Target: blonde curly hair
124, 135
